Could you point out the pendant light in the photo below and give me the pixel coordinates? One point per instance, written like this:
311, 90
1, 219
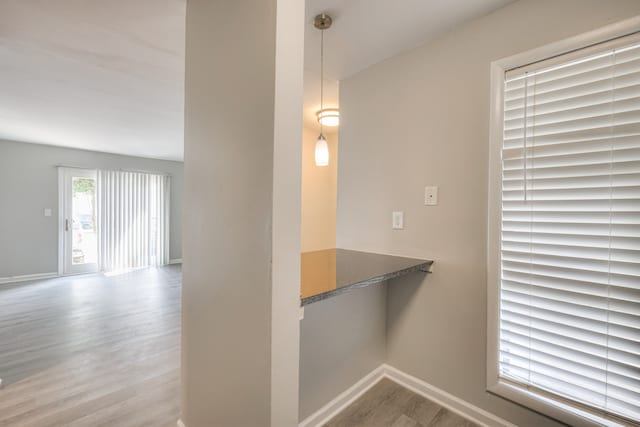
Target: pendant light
322, 22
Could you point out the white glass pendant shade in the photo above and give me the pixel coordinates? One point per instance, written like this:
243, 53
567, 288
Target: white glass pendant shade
322, 151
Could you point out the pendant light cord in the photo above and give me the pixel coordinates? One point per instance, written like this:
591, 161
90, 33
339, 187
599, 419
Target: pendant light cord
321, 76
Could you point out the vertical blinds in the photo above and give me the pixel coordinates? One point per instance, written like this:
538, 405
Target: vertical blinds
133, 220
570, 233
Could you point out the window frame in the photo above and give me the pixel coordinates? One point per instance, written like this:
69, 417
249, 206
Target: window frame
551, 406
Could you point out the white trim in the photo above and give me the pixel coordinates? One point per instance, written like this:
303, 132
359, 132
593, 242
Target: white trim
181, 424
60, 221
65, 207
27, 277
444, 399
494, 220
565, 412
553, 408
339, 403
175, 261
167, 222
428, 391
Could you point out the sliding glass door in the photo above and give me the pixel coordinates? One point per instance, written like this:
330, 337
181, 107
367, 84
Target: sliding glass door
79, 221
112, 221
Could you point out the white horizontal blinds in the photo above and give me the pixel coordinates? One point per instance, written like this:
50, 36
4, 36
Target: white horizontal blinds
133, 219
570, 237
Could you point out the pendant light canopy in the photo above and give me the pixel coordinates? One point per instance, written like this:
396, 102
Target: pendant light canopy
330, 116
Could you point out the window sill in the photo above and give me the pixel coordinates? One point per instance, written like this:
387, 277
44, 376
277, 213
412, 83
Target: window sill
552, 408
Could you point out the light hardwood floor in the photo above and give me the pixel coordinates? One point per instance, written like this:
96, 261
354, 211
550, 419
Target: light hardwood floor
91, 350
388, 404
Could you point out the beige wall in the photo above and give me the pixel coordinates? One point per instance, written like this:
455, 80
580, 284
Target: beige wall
422, 118
229, 161
241, 269
319, 186
226, 311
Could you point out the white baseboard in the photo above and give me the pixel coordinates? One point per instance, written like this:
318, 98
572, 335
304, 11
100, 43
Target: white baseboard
441, 397
181, 424
331, 409
27, 277
447, 400
176, 261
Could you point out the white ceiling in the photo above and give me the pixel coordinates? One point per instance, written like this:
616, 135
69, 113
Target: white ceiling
94, 74
108, 75
365, 32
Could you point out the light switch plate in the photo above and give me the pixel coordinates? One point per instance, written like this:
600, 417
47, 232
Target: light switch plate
397, 220
47, 212
430, 196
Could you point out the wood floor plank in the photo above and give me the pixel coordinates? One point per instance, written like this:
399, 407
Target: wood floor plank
405, 421
421, 410
388, 404
90, 351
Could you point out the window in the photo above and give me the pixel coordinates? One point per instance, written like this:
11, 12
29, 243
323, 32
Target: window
567, 317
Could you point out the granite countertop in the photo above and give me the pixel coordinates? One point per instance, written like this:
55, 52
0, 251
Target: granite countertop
331, 272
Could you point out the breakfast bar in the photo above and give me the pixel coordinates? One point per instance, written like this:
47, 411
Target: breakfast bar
331, 272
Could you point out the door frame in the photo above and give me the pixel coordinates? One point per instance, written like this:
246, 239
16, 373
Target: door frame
65, 200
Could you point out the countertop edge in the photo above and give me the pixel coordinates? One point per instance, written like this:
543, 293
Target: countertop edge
422, 267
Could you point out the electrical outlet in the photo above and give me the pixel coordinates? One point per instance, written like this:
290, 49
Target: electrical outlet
430, 196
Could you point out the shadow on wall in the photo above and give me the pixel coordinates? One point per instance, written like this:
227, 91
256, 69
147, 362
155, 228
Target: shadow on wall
403, 290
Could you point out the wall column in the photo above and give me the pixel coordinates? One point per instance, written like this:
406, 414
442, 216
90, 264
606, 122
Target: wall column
243, 103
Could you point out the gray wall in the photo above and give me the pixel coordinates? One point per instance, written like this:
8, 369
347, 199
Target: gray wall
226, 294
342, 339
437, 133
29, 184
